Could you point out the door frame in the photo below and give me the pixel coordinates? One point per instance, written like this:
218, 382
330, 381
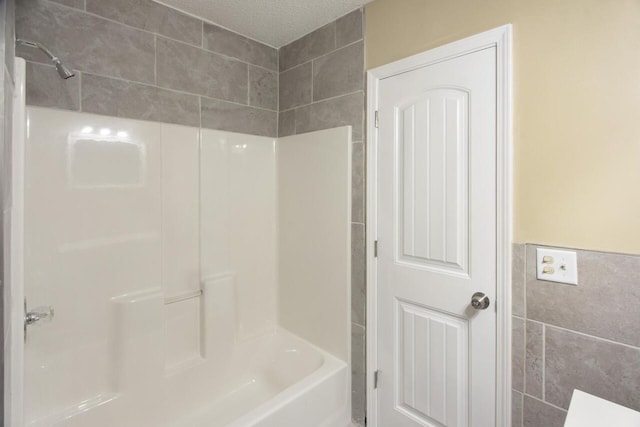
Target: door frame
501, 39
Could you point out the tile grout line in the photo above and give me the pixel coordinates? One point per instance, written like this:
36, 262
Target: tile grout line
358, 324
80, 90
312, 93
523, 278
544, 363
202, 34
155, 60
170, 89
542, 401
323, 55
210, 23
278, 75
323, 100
524, 356
248, 85
610, 341
521, 409
295, 121
223, 55
278, 93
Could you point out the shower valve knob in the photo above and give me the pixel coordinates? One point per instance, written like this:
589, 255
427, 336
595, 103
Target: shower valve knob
38, 314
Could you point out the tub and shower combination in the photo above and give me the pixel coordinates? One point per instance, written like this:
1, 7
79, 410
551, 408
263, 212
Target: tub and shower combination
198, 278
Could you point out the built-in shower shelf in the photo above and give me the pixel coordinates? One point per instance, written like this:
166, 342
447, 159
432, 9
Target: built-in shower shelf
183, 366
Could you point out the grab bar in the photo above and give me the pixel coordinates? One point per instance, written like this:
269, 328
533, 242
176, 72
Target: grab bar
183, 297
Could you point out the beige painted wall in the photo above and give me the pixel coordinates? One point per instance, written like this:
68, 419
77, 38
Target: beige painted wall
576, 101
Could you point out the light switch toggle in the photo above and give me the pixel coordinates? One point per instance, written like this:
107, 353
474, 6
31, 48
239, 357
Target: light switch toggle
556, 265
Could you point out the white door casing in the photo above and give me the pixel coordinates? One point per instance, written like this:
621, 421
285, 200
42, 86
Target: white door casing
439, 190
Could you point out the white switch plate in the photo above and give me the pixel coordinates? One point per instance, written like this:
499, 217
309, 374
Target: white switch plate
564, 265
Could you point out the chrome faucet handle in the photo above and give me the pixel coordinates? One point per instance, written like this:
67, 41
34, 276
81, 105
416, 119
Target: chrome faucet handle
38, 314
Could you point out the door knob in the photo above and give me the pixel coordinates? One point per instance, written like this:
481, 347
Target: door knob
480, 301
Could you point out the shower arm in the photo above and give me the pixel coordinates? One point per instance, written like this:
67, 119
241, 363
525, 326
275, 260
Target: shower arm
63, 71
37, 45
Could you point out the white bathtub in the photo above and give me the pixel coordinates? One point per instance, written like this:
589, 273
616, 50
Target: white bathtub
291, 383
277, 380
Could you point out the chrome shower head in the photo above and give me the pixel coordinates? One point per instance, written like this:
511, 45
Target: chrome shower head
62, 70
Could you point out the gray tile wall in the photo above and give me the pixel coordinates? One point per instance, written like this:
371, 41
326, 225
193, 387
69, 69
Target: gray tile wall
322, 79
322, 86
574, 337
142, 60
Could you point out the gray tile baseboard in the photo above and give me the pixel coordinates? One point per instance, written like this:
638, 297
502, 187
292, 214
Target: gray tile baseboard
570, 341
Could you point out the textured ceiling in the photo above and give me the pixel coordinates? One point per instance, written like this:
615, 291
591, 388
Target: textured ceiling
274, 22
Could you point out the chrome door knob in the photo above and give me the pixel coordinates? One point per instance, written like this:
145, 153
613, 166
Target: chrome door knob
480, 301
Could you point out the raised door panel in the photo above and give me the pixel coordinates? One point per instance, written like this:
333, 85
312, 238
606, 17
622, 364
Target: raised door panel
431, 366
432, 180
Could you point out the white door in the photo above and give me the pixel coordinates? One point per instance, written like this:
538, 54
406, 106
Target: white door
436, 205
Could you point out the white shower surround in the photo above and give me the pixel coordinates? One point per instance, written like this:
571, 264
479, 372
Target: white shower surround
145, 350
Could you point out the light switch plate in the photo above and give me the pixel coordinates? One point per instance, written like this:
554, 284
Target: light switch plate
557, 265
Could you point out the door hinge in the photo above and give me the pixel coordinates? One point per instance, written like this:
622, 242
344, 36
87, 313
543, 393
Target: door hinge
376, 375
376, 121
375, 249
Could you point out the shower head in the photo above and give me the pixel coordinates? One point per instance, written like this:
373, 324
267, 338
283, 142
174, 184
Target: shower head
62, 70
